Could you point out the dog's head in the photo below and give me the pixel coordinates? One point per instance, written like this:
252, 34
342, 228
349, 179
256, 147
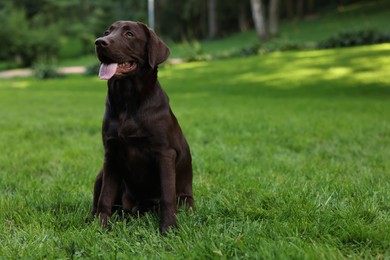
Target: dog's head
126, 47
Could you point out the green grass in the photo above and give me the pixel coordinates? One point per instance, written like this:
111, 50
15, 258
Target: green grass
291, 161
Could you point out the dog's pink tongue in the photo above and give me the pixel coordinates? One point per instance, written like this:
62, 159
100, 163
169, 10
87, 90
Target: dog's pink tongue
106, 71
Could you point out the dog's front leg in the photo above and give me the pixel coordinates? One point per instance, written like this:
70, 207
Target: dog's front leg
96, 194
109, 190
168, 190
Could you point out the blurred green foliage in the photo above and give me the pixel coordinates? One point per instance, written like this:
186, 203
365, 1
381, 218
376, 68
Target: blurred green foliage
36, 30
355, 38
45, 69
63, 29
27, 40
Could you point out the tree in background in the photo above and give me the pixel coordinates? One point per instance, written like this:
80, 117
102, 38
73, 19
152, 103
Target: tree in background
259, 19
27, 40
273, 17
300, 8
34, 28
201, 19
243, 20
265, 27
212, 18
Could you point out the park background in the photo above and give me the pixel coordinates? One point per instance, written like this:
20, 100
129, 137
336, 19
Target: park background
289, 129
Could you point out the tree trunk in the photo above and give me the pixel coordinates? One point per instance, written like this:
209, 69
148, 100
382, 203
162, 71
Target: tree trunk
259, 19
311, 6
274, 17
213, 24
290, 9
300, 5
242, 17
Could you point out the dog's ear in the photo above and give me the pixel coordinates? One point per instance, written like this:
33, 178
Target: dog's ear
158, 52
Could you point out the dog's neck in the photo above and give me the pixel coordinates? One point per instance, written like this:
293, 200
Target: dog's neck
132, 91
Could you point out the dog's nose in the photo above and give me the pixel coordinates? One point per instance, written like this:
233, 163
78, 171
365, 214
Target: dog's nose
101, 42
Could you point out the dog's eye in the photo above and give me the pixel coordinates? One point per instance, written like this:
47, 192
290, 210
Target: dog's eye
106, 33
130, 34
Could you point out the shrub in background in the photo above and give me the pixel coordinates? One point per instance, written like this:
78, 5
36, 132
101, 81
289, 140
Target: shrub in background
25, 41
354, 38
43, 68
92, 69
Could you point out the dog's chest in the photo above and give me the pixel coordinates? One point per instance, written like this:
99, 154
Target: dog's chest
130, 127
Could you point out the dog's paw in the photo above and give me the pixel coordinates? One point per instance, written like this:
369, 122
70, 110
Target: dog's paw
164, 230
91, 216
167, 224
103, 219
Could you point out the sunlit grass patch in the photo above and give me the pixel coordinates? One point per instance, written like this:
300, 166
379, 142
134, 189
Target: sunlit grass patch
333, 70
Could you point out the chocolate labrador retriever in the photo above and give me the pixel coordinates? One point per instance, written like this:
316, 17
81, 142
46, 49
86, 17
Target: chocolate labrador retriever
147, 161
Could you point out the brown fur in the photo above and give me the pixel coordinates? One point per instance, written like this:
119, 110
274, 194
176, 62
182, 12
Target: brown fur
147, 161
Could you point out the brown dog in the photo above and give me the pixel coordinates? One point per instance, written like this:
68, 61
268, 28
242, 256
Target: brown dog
147, 161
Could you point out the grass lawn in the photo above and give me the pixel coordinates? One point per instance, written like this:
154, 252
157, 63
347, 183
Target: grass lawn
291, 161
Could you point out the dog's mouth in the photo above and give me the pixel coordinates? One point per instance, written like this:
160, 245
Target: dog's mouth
107, 71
